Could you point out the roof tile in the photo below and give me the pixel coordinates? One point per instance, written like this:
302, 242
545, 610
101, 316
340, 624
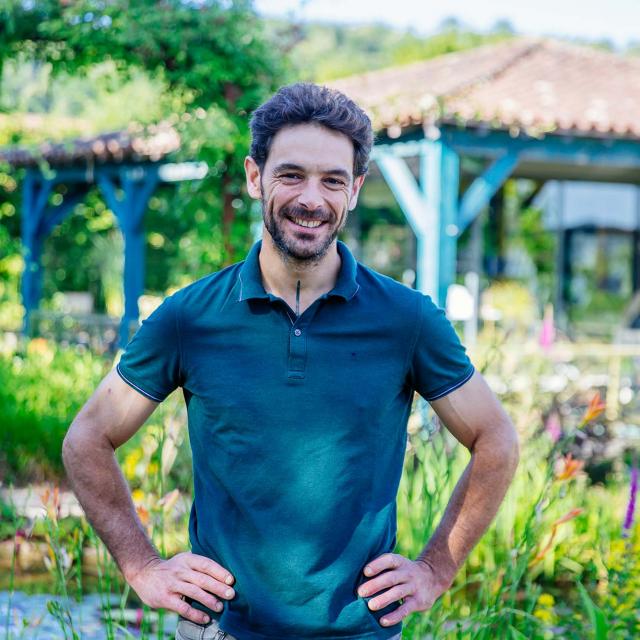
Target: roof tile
529, 83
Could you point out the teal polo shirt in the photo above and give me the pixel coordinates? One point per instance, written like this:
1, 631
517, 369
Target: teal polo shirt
298, 427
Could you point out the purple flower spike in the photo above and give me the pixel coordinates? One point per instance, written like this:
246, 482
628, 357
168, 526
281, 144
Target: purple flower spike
628, 519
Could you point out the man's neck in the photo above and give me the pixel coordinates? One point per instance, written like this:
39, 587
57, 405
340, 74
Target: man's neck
280, 276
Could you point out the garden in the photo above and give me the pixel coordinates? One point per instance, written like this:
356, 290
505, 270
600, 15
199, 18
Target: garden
559, 561
562, 557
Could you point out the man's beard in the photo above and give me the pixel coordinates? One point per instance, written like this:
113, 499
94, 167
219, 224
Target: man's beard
298, 250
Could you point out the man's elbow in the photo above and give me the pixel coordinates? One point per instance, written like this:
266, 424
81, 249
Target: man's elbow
510, 445
500, 441
81, 444
71, 445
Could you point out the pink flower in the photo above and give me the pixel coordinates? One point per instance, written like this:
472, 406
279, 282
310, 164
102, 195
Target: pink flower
547, 332
553, 426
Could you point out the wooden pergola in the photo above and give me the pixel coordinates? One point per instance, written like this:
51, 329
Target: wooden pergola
127, 166
453, 129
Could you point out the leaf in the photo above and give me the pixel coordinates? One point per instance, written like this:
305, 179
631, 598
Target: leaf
515, 634
596, 615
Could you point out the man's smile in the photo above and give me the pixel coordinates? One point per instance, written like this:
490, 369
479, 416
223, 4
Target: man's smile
306, 224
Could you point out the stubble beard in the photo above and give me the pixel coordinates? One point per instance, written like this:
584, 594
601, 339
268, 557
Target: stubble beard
290, 249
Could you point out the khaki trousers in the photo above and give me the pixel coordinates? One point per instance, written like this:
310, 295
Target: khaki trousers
188, 630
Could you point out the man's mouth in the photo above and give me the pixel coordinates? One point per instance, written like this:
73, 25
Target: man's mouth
309, 224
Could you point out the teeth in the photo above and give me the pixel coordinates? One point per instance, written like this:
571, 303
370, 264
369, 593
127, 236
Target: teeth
308, 223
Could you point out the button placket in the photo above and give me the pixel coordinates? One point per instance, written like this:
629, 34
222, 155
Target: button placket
297, 352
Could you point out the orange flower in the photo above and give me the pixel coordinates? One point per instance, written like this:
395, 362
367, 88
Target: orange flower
567, 468
595, 408
38, 345
52, 503
570, 515
143, 514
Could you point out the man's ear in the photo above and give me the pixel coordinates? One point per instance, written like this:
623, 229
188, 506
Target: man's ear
252, 172
355, 190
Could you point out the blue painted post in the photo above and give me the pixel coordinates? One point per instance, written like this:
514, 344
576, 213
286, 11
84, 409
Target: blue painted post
439, 179
137, 184
428, 244
36, 191
133, 278
431, 209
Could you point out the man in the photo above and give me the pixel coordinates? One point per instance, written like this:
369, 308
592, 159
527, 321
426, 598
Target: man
298, 368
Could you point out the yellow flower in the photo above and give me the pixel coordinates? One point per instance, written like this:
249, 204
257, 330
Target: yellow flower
544, 614
138, 496
130, 463
546, 600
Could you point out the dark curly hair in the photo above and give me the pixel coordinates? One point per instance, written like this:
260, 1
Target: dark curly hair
302, 103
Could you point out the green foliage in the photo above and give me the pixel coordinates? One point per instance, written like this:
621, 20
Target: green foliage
201, 66
326, 51
100, 99
596, 615
40, 393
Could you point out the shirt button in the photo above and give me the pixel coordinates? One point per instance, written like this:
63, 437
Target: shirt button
297, 332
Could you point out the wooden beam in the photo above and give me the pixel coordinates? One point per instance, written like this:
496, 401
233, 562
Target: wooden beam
548, 149
406, 191
483, 188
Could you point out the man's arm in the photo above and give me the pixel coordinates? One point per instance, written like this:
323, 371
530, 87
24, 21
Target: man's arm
109, 418
475, 417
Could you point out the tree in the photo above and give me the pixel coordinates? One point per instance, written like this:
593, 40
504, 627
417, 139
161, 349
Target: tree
216, 65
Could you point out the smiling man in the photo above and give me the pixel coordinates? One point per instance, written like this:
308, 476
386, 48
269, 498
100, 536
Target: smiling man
298, 367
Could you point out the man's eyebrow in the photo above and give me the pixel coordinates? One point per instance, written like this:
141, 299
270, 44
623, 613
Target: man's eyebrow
287, 166
290, 166
339, 172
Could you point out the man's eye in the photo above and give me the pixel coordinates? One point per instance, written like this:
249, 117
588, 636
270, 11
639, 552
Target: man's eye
335, 182
291, 176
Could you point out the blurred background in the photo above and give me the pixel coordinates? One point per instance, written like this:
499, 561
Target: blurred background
505, 183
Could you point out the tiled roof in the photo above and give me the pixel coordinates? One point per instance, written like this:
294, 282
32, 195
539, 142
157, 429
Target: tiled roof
149, 143
533, 85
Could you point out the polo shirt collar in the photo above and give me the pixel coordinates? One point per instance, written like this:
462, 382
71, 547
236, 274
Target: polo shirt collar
250, 276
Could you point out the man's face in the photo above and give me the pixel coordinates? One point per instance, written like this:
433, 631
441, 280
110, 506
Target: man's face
306, 188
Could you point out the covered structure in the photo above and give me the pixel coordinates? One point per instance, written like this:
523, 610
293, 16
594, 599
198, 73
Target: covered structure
127, 166
453, 129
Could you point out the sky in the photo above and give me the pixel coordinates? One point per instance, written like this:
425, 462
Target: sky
616, 20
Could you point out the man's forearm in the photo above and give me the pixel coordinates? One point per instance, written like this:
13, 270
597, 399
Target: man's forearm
472, 506
104, 494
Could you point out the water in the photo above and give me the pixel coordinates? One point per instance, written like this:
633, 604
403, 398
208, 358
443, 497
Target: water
25, 616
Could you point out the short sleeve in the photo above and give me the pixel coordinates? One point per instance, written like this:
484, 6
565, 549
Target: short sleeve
151, 360
439, 362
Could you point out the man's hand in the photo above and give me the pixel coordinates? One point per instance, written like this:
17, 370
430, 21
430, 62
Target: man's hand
413, 581
162, 583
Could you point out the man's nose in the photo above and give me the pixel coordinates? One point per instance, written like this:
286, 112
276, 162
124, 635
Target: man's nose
311, 197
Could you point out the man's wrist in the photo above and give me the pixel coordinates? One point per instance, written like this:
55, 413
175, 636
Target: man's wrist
442, 568
132, 570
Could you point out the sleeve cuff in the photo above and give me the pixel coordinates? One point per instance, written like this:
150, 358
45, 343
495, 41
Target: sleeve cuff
139, 389
451, 387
